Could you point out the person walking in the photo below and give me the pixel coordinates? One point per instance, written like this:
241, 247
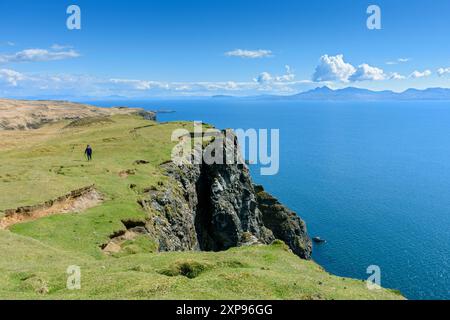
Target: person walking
88, 153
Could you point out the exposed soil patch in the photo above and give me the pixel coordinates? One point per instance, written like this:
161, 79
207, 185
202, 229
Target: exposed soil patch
125, 173
75, 201
133, 230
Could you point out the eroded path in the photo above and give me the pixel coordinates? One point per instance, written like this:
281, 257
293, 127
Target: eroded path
75, 201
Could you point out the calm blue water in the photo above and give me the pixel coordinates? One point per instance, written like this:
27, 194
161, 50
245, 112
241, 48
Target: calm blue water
371, 178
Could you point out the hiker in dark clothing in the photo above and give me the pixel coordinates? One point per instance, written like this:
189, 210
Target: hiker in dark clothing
88, 152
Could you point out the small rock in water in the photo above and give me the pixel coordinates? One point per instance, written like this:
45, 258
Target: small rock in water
319, 240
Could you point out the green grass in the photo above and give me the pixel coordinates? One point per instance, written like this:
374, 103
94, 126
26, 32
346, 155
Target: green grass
46, 163
36, 271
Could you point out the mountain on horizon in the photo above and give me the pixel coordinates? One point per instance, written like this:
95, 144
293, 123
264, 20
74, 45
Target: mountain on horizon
359, 94
323, 93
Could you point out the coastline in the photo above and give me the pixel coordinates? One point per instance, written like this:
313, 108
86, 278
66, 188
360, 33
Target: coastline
137, 241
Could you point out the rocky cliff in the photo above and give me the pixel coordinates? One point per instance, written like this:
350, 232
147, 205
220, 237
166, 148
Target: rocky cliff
216, 206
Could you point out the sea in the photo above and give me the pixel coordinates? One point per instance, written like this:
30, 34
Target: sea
371, 178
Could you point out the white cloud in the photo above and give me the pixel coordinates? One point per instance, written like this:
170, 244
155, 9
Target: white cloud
250, 54
417, 74
399, 60
72, 85
11, 77
59, 47
443, 71
213, 86
396, 76
143, 85
38, 55
135, 84
333, 68
266, 78
289, 76
367, 73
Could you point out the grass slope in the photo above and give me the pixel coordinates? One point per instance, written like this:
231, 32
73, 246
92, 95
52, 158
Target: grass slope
43, 164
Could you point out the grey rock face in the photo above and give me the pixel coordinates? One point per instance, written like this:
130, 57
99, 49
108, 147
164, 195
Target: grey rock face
216, 207
174, 226
285, 224
228, 208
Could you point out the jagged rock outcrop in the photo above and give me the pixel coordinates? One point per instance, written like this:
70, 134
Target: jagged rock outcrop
285, 224
216, 207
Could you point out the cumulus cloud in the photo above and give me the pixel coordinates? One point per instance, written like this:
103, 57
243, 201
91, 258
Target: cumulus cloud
443, 71
11, 77
417, 74
38, 55
333, 68
287, 77
367, 73
249, 54
266, 78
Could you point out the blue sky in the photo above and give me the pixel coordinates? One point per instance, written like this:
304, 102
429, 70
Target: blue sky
236, 47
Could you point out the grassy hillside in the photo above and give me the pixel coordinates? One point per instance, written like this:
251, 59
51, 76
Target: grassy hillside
46, 163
